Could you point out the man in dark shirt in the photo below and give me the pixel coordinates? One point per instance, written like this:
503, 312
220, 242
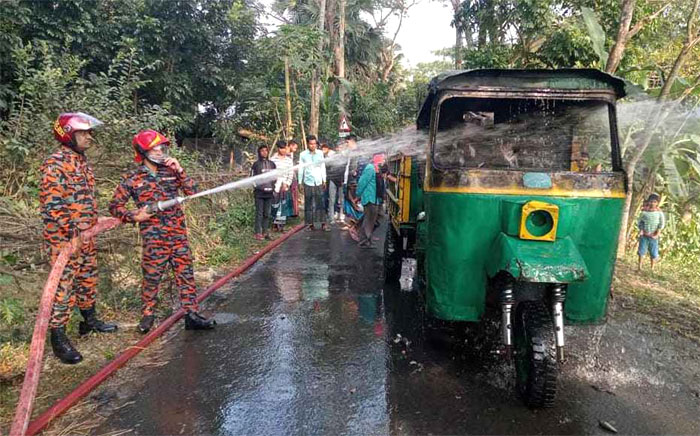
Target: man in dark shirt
264, 192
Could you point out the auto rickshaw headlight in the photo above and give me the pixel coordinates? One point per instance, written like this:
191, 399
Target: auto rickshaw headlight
539, 221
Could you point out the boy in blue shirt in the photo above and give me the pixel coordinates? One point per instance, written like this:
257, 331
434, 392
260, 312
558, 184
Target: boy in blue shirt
651, 222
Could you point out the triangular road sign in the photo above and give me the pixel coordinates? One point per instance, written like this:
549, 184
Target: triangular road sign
343, 126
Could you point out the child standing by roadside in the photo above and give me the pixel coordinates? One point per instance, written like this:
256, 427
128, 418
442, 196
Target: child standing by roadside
651, 222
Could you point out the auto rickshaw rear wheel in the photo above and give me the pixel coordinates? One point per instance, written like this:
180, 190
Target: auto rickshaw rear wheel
535, 354
392, 255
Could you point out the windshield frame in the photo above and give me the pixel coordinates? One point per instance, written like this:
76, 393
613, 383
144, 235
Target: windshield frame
604, 96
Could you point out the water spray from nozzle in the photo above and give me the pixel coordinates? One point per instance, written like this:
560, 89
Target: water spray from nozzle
408, 141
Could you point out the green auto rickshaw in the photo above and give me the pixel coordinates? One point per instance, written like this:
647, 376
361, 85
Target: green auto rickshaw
517, 205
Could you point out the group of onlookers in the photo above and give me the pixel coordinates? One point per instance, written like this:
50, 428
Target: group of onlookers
340, 186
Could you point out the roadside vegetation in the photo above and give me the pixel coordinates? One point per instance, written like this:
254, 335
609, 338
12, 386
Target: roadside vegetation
211, 75
670, 295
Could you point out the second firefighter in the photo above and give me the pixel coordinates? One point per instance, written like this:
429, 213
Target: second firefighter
164, 235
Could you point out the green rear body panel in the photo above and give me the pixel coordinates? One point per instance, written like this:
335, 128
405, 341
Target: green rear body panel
531, 261
469, 237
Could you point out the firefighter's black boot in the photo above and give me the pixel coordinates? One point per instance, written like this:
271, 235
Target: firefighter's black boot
195, 321
62, 348
92, 324
146, 323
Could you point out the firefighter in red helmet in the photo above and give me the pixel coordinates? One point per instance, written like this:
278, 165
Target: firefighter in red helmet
68, 207
164, 236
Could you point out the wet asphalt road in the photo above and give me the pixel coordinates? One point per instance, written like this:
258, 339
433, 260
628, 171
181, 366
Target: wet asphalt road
307, 344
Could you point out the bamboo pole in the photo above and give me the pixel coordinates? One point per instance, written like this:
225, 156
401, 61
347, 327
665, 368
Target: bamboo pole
288, 98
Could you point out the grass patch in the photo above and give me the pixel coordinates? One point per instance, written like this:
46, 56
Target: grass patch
670, 295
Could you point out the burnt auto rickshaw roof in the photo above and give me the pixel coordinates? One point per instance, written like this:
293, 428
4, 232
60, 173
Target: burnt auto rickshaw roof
562, 79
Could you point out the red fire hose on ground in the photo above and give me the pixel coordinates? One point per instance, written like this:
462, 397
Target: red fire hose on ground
21, 425
36, 349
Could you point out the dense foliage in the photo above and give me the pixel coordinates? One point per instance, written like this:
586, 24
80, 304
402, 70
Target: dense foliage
216, 74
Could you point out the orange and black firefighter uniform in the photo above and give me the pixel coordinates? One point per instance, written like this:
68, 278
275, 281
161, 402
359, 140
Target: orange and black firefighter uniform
164, 234
68, 207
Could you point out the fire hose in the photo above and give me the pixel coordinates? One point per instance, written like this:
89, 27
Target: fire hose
243, 183
36, 349
20, 424
342, 158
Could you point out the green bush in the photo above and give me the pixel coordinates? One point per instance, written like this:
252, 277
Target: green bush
49, 85
239, 213
11, 312
681, 237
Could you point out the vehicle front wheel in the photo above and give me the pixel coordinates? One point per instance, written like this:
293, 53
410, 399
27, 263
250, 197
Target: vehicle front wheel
392, 255
536, 365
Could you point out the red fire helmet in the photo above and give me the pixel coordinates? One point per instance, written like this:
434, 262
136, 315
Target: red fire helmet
68, 123
147, 140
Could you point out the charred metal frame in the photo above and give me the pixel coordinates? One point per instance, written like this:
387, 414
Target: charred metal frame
607, 179
601, 95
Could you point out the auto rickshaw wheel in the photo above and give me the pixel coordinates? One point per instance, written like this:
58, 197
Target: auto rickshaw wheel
535, 354
392, 255
420, 274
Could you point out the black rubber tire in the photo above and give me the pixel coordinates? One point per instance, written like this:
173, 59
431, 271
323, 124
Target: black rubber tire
393, 254
536, 366
421, 279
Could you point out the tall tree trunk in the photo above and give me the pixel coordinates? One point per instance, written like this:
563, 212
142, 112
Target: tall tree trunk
288, 101
458, 48
315, 75
621, 41
387, 65
301, 115
339, 52
625, 33
314, 103
458, 35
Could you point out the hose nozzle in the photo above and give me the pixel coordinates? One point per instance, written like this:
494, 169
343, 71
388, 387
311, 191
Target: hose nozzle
162, 205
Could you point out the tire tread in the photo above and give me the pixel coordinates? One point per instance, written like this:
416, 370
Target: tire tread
541, 387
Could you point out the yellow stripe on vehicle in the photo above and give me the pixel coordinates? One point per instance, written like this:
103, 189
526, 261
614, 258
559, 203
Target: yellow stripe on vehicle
405, 193
516, 190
